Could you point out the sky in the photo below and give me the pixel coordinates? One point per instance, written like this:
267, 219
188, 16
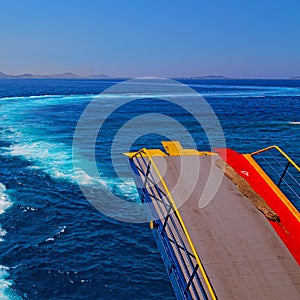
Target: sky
166, 38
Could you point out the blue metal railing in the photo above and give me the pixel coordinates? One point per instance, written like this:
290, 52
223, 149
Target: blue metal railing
185, 269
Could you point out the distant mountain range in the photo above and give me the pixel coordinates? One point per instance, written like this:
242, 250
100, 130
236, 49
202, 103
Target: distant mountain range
210, 77
224, 77
67, 75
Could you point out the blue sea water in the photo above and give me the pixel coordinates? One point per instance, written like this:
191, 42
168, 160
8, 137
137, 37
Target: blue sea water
54, 244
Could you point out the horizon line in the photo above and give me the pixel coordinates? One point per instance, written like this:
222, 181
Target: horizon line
71, 75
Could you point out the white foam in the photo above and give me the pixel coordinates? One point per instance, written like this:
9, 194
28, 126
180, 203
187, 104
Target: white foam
50, 239
75, 176
28, 208
53, 158
56, 160
62, 230
2, 234
57, 234
5, 201
118, 186
5, 284
5, 291
53, 98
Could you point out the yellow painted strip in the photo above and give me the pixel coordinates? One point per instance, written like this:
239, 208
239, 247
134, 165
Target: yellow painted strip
189, 152
211, 291
156, 152
151, 224
206, 153
281, 151
274, 187
129, 154
152, 152
172, 147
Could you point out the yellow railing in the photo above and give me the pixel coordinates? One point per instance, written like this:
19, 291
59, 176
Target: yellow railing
282, 193
201, 267
282, 152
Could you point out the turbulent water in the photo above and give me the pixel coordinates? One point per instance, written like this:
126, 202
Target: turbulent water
54, 244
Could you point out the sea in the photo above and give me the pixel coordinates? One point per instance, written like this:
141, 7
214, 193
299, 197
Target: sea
54, 242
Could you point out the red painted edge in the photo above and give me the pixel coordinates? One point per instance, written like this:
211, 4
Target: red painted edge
289, 230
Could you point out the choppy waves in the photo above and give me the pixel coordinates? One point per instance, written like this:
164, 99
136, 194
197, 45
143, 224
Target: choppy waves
5, 202
44, 152
55, 159
5, 283
29, 134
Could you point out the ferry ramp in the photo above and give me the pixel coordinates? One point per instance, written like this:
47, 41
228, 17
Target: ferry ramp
224, 248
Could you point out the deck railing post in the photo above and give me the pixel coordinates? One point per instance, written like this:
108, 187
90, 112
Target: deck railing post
167, 217
191, 279
281, 178
147, 172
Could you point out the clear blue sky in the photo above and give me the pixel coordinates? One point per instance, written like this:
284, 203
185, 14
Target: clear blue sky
252, 38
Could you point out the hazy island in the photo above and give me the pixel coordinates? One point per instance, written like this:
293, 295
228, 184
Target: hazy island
67, 75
